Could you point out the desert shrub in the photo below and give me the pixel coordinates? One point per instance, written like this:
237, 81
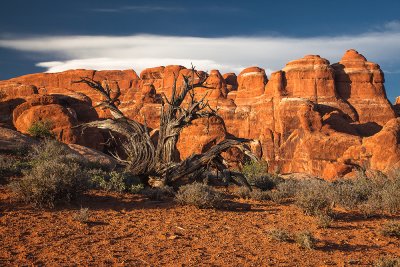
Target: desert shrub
199, 195
388, 262
351, 193
391, 229
314, 197
41, 129
279, 235
51, 183
284, 190
242, 192
324, 220
306, 240
52, 150
159, 193
370, 195
114, 181
257, 175
55, 176
260, 195
8, 166
82, 215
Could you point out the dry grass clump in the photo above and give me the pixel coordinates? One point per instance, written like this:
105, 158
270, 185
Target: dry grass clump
260, 195
242, 192
391, 229
159, 193
306, 240
314, 197
387, 262
199, 195
280, 235
371, 195
82, 215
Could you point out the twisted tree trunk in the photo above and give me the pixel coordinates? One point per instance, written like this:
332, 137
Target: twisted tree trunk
157, 160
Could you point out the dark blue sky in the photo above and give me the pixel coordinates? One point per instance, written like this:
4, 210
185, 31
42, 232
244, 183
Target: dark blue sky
211, 19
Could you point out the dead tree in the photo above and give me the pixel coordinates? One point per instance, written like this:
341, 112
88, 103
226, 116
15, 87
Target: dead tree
178, 111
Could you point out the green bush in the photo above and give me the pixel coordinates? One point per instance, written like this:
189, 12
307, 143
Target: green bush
199, 195
257, 175
51, 183
55, 176
115, 181
41, 129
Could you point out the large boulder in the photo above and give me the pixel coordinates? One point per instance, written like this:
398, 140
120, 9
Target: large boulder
62, 119
11, 140
94, 157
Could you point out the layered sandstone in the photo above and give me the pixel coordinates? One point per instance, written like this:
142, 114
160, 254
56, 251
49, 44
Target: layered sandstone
310, 117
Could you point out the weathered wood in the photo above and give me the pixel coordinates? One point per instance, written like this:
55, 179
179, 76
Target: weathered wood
157, 160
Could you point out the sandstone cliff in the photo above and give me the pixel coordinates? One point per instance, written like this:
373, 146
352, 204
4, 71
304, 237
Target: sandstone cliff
310, 117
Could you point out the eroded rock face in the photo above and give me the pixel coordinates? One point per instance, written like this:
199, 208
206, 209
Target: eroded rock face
361, 84
397, 106
310, 117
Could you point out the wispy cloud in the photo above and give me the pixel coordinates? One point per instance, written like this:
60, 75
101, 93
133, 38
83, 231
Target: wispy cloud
224, 53
393, 25
140, 8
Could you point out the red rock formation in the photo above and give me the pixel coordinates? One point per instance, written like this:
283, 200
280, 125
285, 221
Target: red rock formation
310, 117
360, 83
397, 106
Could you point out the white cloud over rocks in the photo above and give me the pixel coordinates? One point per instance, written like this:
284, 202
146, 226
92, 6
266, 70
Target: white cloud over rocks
224, 53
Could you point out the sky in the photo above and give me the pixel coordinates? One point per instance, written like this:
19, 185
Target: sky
53, 35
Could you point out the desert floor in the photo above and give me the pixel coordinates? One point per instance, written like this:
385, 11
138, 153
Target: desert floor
130, 230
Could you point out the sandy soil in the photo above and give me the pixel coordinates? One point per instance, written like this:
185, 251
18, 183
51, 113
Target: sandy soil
129, 230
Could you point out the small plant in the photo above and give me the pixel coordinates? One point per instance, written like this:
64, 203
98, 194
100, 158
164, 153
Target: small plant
82, 215
242, 192
159, 193
314, 197
257, 175
115, 181
199, 195
324, 220
306, 240
279, 235
260, 195
41, 129
388, 262
136, 189
391, 229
